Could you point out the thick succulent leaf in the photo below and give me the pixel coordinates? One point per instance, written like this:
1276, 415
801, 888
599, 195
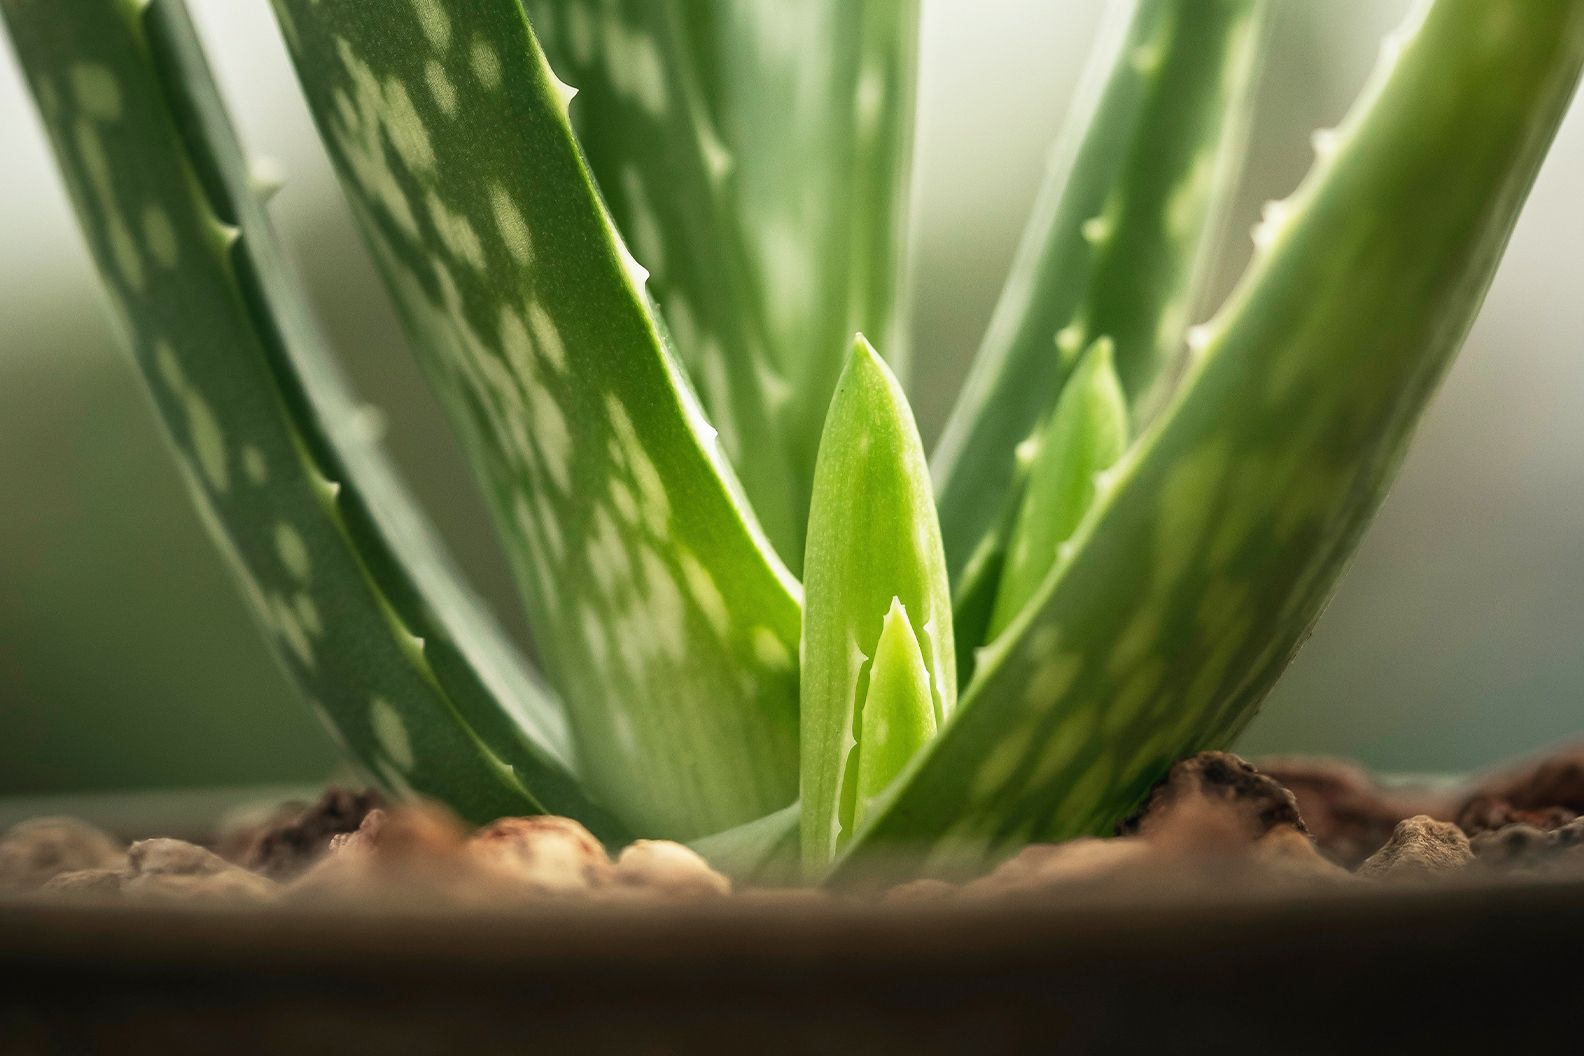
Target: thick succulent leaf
874, 547
662, 614
642, 117
344, 575
1087, 433
1201, 567
1117, 244
816, 102
756, 154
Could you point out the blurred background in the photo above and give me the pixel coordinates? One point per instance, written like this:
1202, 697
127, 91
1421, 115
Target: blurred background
127, 661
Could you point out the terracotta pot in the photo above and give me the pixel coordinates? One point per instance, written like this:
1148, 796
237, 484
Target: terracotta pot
1378, 970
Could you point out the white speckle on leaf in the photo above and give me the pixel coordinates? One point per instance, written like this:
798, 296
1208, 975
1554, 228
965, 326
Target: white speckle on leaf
254, 464
594, 636
547, 337
95, 90
1069, 340
997, 769
770, 651
509, 220
291, 630
622, 499
552, 438
486, 64
292, 551
706, 595
308, 615
408, 133
455, 230
871, 99
515, 344
129, 262
1053, 676
159, 236
208, 440
668, 615
1063, 746
436, 23
390, 733
440, 88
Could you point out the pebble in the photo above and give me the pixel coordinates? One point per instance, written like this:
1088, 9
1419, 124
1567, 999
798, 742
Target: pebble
669, 869
172, 870
1218, 781
295, 839
1347, 812
547, 855
86, 884
33, 852
1215, 820
1420, 848
1547, 793
1285, 854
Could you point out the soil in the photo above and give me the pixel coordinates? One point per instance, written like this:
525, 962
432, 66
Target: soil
1215, 820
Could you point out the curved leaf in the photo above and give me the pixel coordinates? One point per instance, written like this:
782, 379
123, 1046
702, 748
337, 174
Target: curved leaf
1117, 245
665, 620
344, 575
642, 116
1201, 567
756, 154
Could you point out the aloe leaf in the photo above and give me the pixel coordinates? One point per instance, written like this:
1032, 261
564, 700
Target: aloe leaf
1088, 432
663, 616
1200, 568
874, 548
1117, 245
756, 155
643, 118
344, 575
816, 101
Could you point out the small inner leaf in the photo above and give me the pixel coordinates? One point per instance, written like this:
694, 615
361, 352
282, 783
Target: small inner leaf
873, 547
897, 716
1087, 433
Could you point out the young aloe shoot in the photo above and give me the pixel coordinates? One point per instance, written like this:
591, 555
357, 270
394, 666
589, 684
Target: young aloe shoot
1086, 435
879, 666
1138, 519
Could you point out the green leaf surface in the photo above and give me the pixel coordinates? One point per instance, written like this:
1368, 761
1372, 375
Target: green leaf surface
763, 852
756, 155
346, 579
1117, 245
1087, 433
1201, 567
874, 548
664, 618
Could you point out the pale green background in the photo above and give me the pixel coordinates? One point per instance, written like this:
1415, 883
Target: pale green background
125, 659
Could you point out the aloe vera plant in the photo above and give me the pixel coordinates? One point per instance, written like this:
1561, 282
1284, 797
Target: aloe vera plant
1138, 519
